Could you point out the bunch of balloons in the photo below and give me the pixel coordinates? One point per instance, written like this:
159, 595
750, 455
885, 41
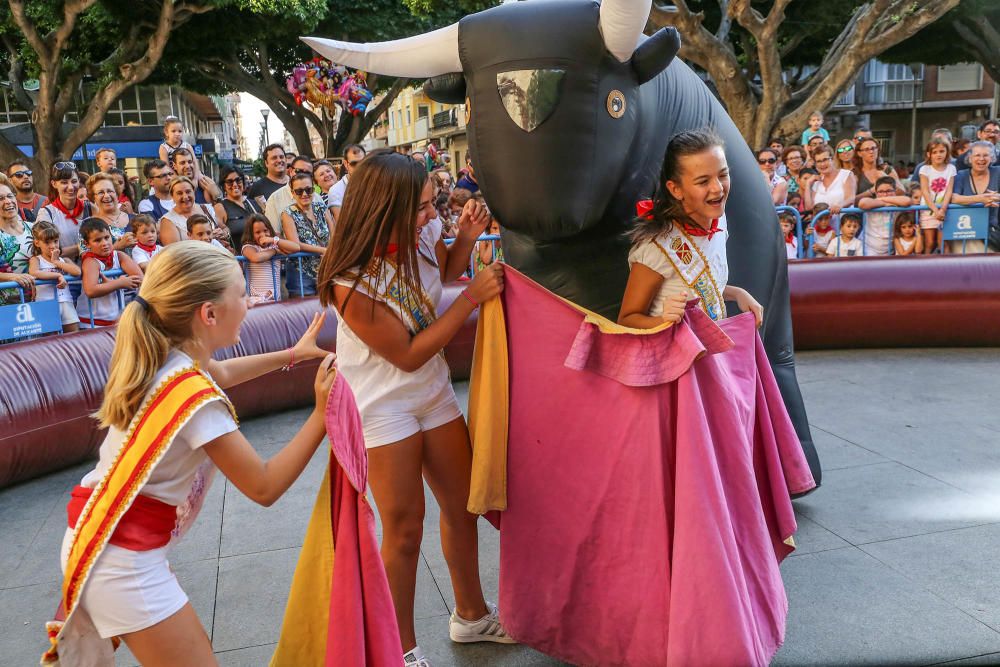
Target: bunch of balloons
324, 84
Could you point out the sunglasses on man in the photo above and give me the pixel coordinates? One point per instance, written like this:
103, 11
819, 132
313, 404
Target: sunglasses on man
21, 174
766, 160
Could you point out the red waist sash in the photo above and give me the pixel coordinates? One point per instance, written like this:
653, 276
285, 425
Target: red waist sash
146, 525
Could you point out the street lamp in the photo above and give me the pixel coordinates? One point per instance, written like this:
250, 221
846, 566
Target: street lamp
265, 112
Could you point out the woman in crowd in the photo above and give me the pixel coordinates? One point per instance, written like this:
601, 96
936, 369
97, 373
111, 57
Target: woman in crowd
15, 247
980, 184
834, 187
173, 226
325, 177
869, 167
104, 193
845, 154
306, 221
383, 272
794, 158
767, 159
235, 207
67, 207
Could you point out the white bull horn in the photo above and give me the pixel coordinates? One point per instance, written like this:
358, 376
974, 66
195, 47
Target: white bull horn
421, 56
622, 22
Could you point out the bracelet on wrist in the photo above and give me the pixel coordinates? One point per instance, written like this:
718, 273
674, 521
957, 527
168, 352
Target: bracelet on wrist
291, 360
465, 293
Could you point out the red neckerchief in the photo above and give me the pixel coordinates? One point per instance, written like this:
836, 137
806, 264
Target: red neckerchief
790, 237
71, 215
644, 209
122, 199
393, 248
108, 262
148, 248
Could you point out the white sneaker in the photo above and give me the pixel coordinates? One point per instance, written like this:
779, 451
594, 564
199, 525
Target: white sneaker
486, 629
415, 658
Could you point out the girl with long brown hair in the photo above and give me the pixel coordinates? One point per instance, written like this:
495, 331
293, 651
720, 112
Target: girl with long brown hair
383, 272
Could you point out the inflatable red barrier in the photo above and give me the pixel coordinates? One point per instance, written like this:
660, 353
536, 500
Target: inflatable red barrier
50, 386
866, 302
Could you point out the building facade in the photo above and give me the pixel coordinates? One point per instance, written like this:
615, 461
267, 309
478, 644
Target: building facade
414, 121
903, 104
133, 127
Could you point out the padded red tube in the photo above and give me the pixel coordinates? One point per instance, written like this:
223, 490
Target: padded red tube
866, 302
50, 386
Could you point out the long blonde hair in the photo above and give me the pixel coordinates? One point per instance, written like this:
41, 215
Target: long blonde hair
181, 277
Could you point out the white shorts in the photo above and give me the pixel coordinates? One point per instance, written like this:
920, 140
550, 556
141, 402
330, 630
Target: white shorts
67, 311
386, 428
128, 591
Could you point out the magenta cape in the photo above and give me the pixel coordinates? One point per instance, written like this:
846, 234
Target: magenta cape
647, 491
340, 611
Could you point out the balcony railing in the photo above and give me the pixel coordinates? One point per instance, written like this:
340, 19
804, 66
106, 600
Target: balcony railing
447, 118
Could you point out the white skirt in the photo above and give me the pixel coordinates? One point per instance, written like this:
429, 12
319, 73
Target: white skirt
128, 591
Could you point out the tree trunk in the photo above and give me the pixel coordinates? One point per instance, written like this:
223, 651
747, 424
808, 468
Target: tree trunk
772, 107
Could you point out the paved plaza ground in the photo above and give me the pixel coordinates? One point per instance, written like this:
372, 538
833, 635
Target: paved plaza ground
897, 560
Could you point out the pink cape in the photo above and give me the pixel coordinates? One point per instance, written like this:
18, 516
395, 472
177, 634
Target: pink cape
340, 611
648, 489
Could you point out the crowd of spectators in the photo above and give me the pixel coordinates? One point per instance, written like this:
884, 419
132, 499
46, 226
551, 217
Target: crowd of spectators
86, 243
89, 238
820, 179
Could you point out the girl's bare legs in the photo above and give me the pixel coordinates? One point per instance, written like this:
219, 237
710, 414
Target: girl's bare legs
448, 467
178, 641
394, 477
929, 238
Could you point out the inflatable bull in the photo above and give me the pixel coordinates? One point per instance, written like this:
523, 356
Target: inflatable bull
569, 111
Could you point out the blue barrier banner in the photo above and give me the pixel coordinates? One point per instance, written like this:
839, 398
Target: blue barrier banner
21, 320
966, 224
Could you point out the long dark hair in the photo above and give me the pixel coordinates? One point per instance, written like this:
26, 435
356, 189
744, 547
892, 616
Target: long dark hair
383, 195
666, 208
248, 228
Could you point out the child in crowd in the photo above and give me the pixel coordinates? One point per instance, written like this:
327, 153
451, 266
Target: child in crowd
686, 227
937, 178
200, 229
905, 240
821, 231
847, 244
170, 424
795, 201
259, 246
879, 225
46, 264
146, 247
787, 222
815, 129
487, 252
456, 202
173, 138
99, 305
916, 194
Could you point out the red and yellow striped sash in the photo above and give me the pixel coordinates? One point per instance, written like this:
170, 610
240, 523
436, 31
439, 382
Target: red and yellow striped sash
152, 430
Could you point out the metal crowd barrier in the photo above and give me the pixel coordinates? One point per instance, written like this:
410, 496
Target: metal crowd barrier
274, 262
835, 224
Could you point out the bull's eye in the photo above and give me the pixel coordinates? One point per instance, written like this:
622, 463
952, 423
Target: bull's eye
616, 104
530, 95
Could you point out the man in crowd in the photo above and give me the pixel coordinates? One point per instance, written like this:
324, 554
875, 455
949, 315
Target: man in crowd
106, 159
205, 189
468, 181
282, 198
158, 174
28, 201
353, 155
276, 178
988, 131
861, 134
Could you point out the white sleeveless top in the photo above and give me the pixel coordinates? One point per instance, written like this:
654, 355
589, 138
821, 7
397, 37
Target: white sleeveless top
680, 258
380, 387
834, 195
106, 307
